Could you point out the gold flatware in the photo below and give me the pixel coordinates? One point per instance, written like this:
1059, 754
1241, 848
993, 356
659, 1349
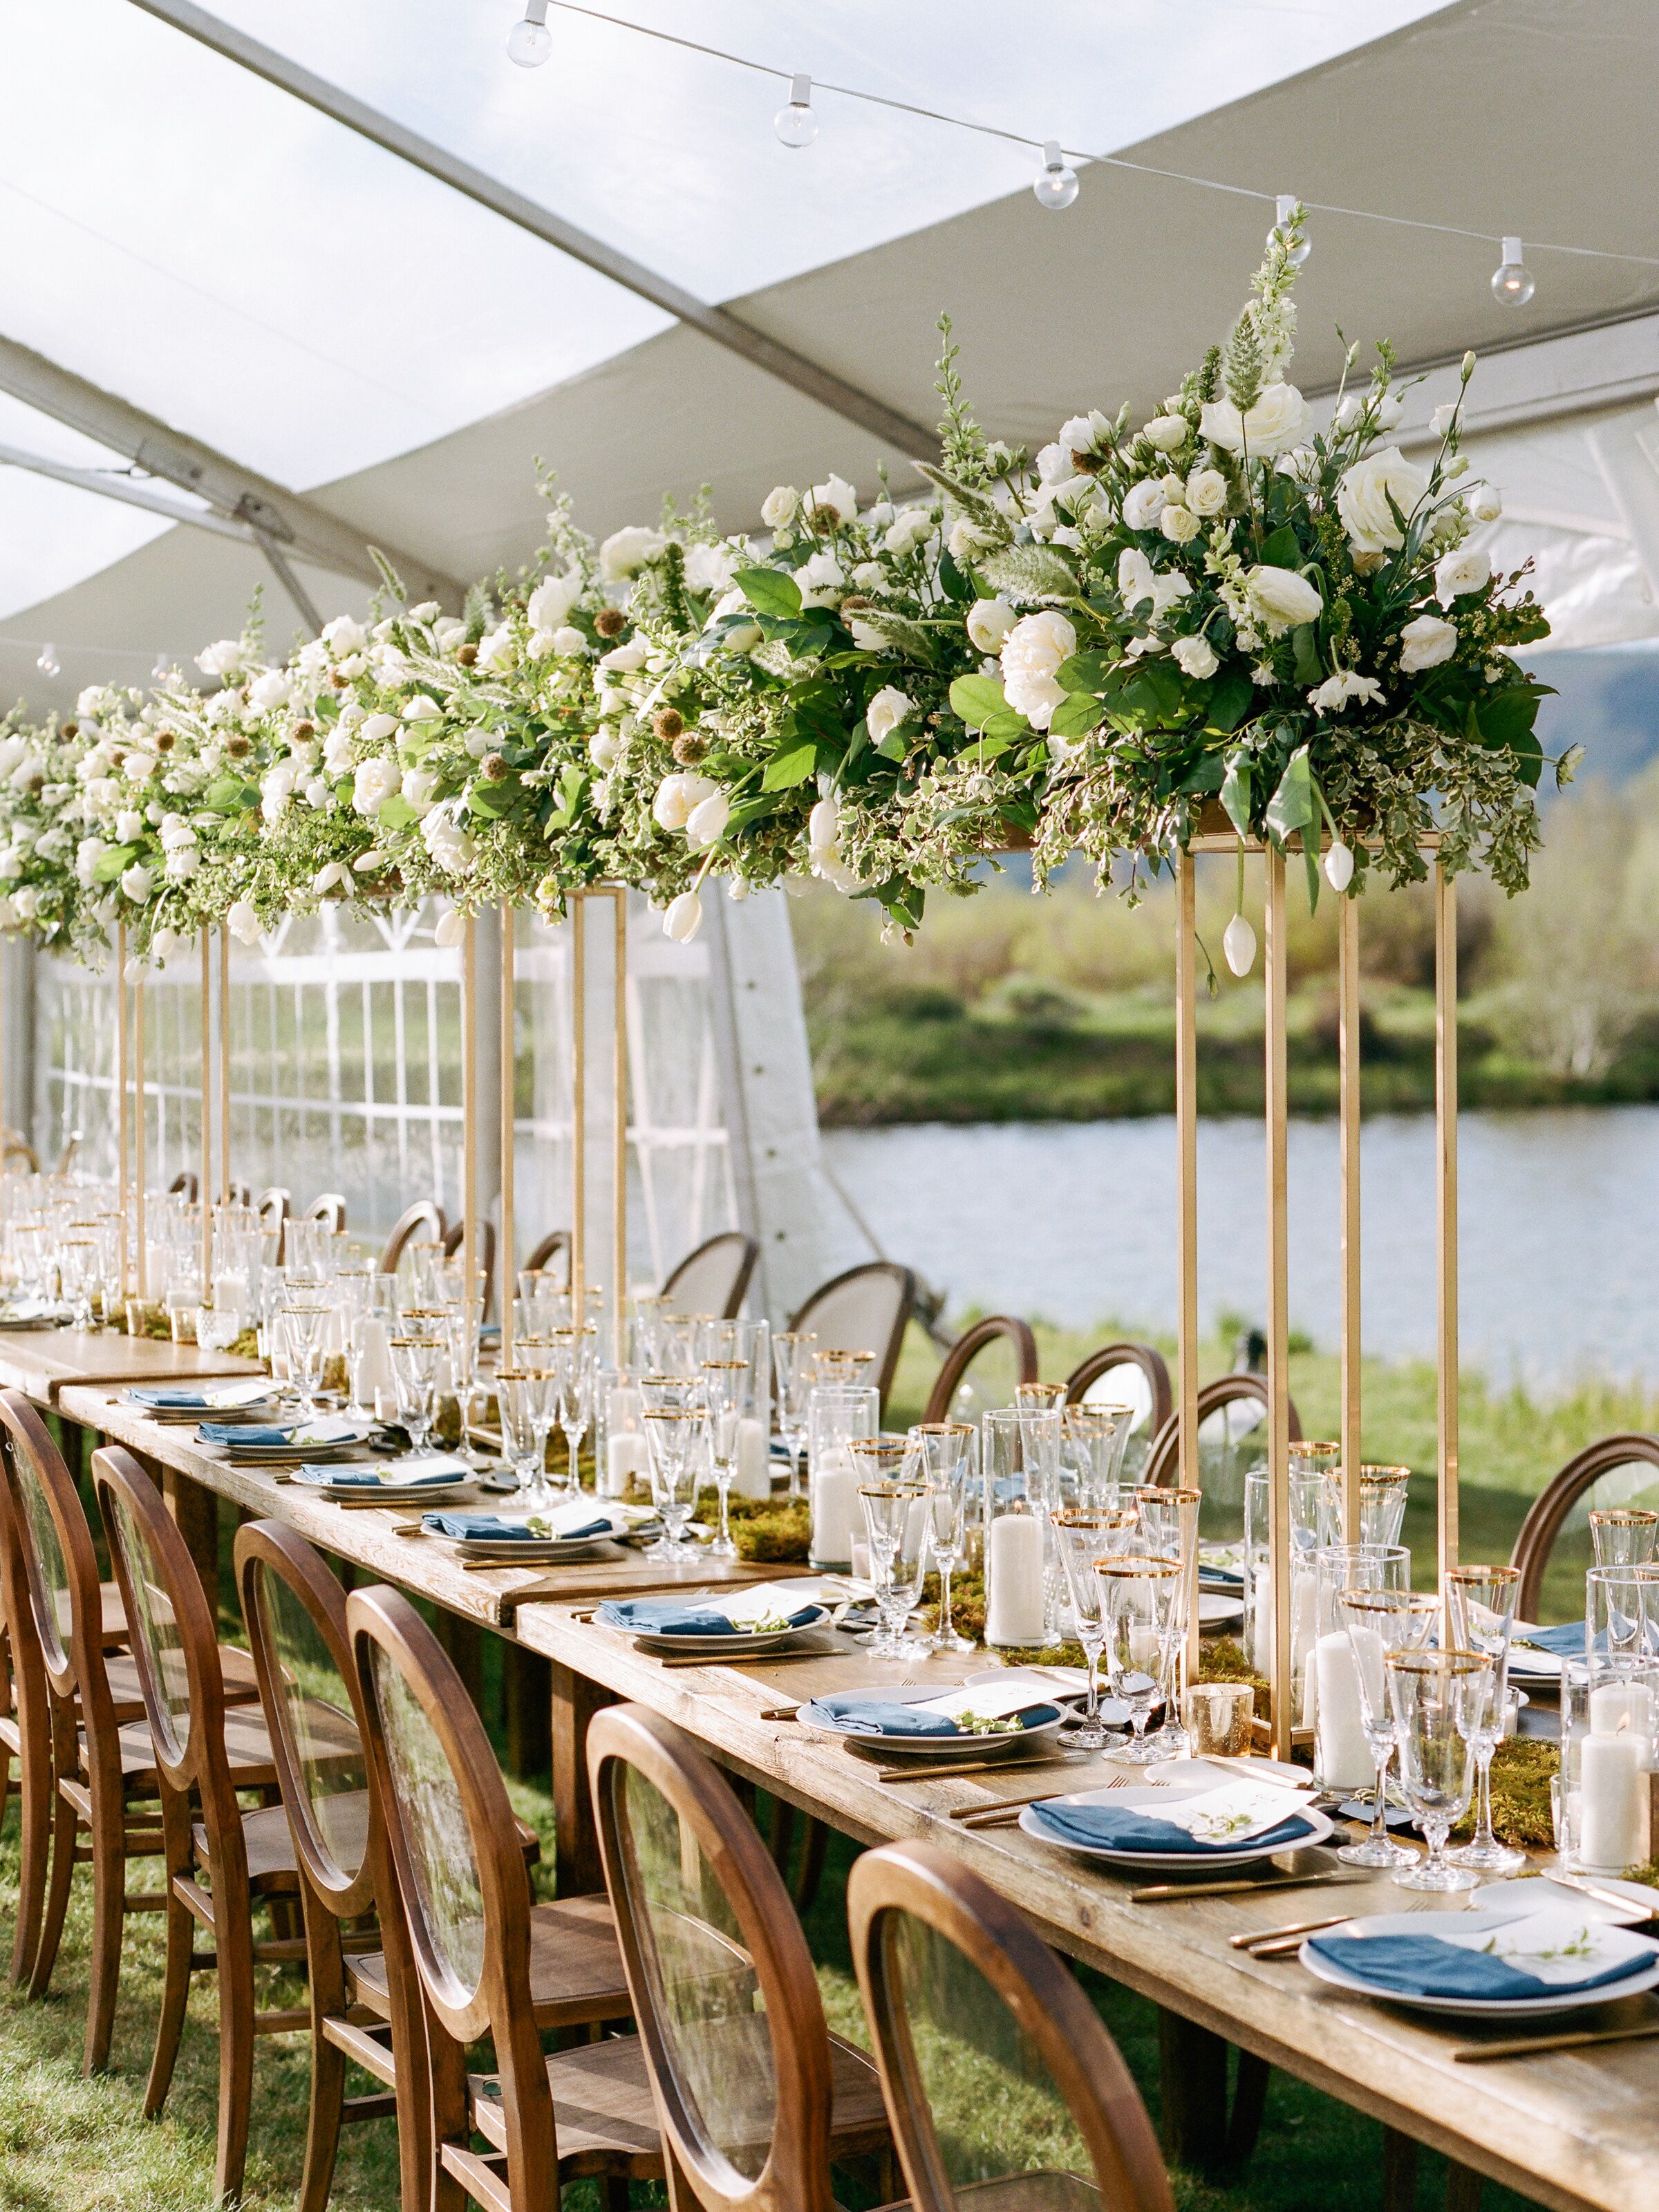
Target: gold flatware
1264, 1936
1521, 2046
1287, 1945
778, 1712
967, 1766
1006, 1815
1162, 1893
1601, 1896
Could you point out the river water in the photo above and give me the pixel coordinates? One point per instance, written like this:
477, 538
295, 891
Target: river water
1074, 1222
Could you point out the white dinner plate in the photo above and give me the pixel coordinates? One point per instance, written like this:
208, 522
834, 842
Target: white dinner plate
1641, 1976
1514, 1895
928, 1746
737, 1645
1150, 1797
1214, 1610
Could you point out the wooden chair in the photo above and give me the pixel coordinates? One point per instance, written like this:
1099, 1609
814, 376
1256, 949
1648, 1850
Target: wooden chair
273, 1208
1220, 1429
1127, 1374
16, 1155
68, 1152
425, 1215
329, 1208
554, 1246
585, 2111
25, 1741
1005, 2088
714, 1279
184, 1185
1617, 1470
205, 1752
993, 1330
865, 1309
754, 2095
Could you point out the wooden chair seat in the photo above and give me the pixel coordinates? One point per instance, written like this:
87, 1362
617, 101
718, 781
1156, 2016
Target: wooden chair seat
603, 2106
269, 1847
240, 1687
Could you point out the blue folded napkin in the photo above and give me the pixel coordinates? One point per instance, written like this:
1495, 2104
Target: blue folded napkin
237, 1432
1423, 1966
667, 1616
477, 1527
175, 1401
886, 1716
1119, 1828
1567, 1642
346, 1478
1222, 1578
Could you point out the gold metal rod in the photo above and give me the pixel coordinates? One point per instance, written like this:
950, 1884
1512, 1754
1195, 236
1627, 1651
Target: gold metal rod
1348, 1080
578, 1109
468, 1100
1187, 1202
224, 1066
6, 1124
207, 1118
123, 1127
619, 1134
510, 1102
1278, 1376
140, 1119
1445, 1151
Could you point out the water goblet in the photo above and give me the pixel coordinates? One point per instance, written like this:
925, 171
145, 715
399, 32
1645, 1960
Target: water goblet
1623, 1535
1094, 1439
516, 1395
308, 1330
1140, 1606
793, 1351
1377, 1623
673, 1435
943, 1462
1438, 1700
1083, 1538
895, 1518
1481, 1602
415, 1379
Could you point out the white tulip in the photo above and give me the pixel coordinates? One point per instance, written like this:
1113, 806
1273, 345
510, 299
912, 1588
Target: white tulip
419, 787
706, 823
1238, 944
823, 825
886, 711
337, 750
451, 929
912, 528
496, 649
366, 863
684, 917
243, 923
318, 794
676, 796
1484, 503
163, 944
989, 622
378, 728
1339, 866
424, 707
1463, 570
626, 660
328, 877
603, 748
129, 826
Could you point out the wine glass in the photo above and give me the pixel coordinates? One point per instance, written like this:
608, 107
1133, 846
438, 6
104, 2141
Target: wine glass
1094, 1439
465, 1320
1438, 1700
307, 1329
1480, 1601
1378, 1622
1623, 1536
77, 1269
1140, 1609
1084, 1538
673, 1435
723, 1384
793, 1355
415, 1379
895, 1518
516, 1395
942, 1461
578, 1377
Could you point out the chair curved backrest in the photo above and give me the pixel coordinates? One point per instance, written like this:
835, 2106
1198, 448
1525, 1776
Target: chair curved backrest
57, 1563
1232, 1414
184, 1184
865, 1309
723, 1987
423, 1222
1554, 1543
714, 1279
329, 1208
273, 1208
454, 1850
1127, 1374
71, 1147
554, 1246
240, 1193
1003, 2085
995, 1329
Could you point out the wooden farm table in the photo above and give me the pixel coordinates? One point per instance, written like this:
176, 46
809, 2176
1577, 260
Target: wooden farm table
1572, 2129
43, 1363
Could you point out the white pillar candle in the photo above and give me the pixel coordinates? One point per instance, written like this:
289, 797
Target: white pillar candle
1262, 1619
230, 1291
861, 1558
1624, 1708
836, 1513
1342, 1757
373, 1373
1613, 1782
754, 1475
1013, 1612
624, 1458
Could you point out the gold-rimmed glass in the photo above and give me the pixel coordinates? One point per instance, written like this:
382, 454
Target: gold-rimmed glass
724, 1384
672, 1438
1623, 1535
1140, 1606
897, 1522
1438, 1702
1081, 1539
1377, 1623
944, 1464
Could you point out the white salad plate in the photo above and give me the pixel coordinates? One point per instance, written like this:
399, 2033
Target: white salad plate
1642, 1951
1150, 1798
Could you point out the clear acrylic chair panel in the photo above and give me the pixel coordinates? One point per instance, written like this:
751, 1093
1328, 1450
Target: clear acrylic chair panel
1126, 1384
1636, 1484
1232, 1441
427, 1808
1005, 2135
150, 1619
318, 1716
706, 1993
48, 1574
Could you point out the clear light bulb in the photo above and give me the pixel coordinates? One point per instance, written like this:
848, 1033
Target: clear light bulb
1054, 185
530, 42
49, 664
1296, 255
796, 124
1512, 283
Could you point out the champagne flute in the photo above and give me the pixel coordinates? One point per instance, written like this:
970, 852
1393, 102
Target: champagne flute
415, 1378
1084, 1538
577, 1382
1481, 1602
1379, 1622
793, 1355
1140, 1608
515, 1400
1094, 1439
944, 1460
723, 1381
1438, 1700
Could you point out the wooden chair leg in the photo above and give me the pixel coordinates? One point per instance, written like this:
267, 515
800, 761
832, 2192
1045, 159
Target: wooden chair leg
1464, 2188
810, 1873
1399, 2171
233, 1941
35, 1794
175, 1995
109, 1890
325, 1973
65, 1829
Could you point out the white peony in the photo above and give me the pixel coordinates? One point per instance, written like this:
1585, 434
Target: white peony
243, 923
1427, 641
1335, 693
684, 917
989, 622
1484, 503
225, 659
1281, 598
886, 711
419, 787
832, 504
1195, 656
1463, 570
1169, 432
138, 882
1179, 524
449, 844
1277, 420
706, 823
1370, 492
1206, 491
710, 567
450, 929
550, 603
344, 635
778, 508
1143, 503
626, 551
376, 780
272, 690
1035, 647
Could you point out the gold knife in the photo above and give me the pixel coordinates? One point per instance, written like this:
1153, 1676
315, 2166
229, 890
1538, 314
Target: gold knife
1477, 2054
1162, 1893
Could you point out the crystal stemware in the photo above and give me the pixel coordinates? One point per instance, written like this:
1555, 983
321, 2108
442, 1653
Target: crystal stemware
516, 1396
1083, 1538
895, 1518
307, 1329
415, 1379
1140, 1608
1480, 1601
942, 1461
673, 1436
792, 1353
1623, 1535
1379, 1622
723, 1382
1438, 1700
1094, 1439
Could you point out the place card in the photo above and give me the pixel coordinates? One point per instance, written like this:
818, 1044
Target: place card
1233, 1813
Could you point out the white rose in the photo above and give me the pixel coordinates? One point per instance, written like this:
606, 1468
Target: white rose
626, 659
11, 864
223, 659
88, 855
822, 580
344, 635
496, 649
272, 690
684, 917
129, 825
1364, 497
625, 552
568, 639
1485, 504
832, 504
886, 711
1143, 503
1206, 491
419, 787
705, 825
243, 923
912, 528
1277, 420
1335, 693
989, 622
450, 930
1427, 642
329, 876
1281, 598
710, 567
138, 882
550, 603
778, 508
1169, 432
1179, 524
26, 902
967, 541
451, 847
1034, 647
337, 751
376, 780
1463, 570
1195, 656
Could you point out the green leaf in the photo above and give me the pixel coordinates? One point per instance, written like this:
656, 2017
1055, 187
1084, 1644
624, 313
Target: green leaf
1530, 755
748, 811
1231, 697
1236, 793
1282, 549
1506, 716
1078, 713
955, 585
230, 794
1028, 574
770, 591
1007, 726
895, 746
897, 631
785, 770
816, 716
1088, 671
396, 812
1292, 805
976, 698
111, 864
1207, 776
1303, 644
